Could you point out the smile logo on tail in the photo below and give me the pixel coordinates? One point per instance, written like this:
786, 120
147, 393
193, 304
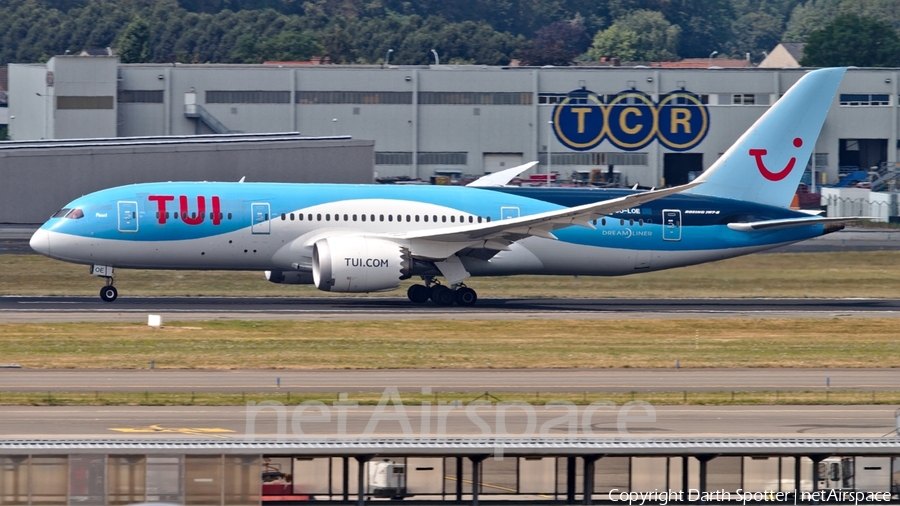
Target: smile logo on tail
768, 174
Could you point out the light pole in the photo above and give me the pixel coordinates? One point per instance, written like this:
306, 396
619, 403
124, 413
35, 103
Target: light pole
549, 154
437, 61
709, 60
387, 57
45, 96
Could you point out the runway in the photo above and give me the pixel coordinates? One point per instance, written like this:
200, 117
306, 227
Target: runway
475, 381
58, 309
232, 422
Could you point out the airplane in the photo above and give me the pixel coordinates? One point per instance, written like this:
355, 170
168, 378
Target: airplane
368, 238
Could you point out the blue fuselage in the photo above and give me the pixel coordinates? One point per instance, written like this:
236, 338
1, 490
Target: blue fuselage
269, 226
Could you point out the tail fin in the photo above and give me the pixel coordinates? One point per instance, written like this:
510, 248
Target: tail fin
766, 163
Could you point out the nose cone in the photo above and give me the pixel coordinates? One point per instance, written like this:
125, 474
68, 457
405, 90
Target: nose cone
40, 242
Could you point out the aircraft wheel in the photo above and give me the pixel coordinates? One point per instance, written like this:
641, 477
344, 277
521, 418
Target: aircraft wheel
442, 296
109, 293
465, 296
418, 294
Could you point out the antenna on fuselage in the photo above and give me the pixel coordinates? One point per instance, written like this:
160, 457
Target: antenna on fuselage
242, 179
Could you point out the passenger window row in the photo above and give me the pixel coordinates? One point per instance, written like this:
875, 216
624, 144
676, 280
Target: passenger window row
382, 217
640, 222
193, 215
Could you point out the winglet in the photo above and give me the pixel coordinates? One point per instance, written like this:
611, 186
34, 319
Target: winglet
501, 178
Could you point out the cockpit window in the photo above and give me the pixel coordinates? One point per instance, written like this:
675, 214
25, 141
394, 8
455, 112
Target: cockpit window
75, 214
62, 212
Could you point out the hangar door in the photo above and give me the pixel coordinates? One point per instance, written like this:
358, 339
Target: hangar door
861, 154
495, 162
681, 168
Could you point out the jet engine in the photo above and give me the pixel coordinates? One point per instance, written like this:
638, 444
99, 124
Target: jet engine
359, 264
290, 277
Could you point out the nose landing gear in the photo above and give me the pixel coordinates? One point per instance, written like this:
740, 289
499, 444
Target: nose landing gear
109, 293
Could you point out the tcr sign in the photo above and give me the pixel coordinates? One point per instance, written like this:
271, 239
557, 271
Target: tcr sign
630, 120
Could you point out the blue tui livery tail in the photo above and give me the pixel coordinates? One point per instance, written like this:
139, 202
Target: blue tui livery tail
766, 163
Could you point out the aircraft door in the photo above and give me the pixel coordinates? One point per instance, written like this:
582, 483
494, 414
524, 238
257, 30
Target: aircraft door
509, 212
259, 215
671, 224
128, 216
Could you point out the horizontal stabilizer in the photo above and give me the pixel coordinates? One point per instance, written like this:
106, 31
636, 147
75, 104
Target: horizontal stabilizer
501, 178
789, 222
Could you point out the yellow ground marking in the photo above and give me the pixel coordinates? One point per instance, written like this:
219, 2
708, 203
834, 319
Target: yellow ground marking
194, 431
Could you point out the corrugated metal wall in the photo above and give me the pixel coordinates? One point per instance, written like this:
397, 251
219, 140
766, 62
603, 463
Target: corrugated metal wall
38, 181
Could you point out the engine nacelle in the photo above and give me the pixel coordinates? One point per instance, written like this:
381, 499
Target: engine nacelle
359, 264
290, 277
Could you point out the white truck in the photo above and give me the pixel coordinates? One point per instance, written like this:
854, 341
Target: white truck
386, 479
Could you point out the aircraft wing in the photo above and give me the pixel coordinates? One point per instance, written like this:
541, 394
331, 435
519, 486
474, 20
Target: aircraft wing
501, 178
499, 234
757, 226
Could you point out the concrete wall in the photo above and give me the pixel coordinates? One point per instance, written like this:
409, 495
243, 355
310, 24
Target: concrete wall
29, 102
77, 78
54, 101
38, 179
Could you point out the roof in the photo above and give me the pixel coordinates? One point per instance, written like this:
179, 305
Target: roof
795, 49
468, 446
694, 63
97, 52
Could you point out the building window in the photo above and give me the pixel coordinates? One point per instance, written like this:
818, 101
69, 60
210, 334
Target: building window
743, 99
73, 102
474, 98
442, 158
141, 96
681, 100
248, 97
595, 158
855, 99
393, 158
550, 98
354, 97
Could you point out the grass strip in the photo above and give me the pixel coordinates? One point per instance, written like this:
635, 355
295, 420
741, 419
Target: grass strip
834, 274
238, 344
729, 398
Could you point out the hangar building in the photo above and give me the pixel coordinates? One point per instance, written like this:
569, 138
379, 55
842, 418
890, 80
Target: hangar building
656, 126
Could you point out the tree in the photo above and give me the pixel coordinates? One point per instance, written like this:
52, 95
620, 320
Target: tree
815, 14
556, 44
134, 44
754, 33
853, 40
639, 36
288, 45
705, 25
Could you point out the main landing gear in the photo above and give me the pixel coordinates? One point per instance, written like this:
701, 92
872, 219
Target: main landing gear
441, 294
